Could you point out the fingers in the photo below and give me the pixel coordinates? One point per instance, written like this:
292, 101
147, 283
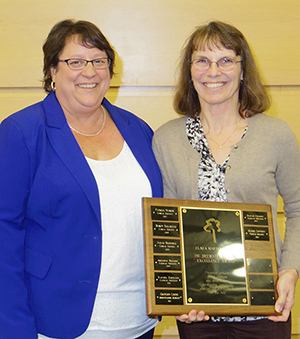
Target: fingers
283, 317
286, 294
284, 304
188, 318
193, 316
183, 318
201, 316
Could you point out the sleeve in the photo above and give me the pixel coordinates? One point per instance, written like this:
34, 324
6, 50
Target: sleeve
162, 157
288, 182
16, 319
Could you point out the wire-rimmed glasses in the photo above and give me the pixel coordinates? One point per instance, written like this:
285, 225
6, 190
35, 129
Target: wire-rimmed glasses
224, 64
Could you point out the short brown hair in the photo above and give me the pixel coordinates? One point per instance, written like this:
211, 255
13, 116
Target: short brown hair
253, 97
89, 34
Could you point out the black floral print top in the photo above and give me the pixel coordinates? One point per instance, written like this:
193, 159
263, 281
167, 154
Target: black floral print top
211, 176
211, 180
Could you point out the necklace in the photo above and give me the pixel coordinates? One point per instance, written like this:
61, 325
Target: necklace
221, 145
92, 135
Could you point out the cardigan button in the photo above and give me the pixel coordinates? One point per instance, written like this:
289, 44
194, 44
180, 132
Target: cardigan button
235, 146
228, 191
228, 167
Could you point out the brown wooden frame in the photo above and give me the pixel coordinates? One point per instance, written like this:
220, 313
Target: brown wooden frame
258, 242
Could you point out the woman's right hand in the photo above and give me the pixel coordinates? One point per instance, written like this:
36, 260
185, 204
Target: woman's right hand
193, 316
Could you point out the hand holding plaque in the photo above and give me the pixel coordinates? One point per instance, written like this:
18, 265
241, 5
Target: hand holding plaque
216, 257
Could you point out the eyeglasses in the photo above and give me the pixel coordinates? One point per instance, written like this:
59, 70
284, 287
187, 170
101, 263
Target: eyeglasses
224, 64
78, 64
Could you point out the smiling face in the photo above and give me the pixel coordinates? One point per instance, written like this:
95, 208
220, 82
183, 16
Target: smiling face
216, 87
80, 91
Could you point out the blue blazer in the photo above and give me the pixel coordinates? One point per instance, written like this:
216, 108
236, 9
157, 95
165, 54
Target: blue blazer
50, 220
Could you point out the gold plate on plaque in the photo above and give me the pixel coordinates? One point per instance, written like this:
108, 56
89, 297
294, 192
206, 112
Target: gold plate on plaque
218, 257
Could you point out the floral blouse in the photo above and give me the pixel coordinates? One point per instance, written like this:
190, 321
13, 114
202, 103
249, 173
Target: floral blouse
211, 176
211, 180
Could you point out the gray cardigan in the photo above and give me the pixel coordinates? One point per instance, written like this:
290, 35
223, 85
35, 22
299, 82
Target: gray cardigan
262, 165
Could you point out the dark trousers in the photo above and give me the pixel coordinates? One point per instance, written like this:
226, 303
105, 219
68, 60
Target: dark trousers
147, 335
257, 329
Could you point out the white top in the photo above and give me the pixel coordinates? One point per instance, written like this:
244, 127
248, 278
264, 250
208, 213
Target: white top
120, 306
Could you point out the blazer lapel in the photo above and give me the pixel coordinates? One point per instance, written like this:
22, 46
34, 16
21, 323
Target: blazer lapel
139, 142
67, 148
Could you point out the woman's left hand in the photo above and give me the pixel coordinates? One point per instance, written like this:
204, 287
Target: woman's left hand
286, 294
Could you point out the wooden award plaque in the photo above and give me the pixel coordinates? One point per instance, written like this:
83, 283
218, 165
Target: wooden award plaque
217, 257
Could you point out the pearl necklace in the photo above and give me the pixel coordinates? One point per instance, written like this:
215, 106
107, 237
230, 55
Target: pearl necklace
221, 145
92, 135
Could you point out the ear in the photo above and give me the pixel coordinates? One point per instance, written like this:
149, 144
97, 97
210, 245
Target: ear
53, 73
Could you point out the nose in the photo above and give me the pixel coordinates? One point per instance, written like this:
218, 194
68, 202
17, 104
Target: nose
89, 69
213, 70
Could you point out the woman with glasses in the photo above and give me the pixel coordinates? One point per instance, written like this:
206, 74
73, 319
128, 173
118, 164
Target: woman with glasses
73, 171
225, 148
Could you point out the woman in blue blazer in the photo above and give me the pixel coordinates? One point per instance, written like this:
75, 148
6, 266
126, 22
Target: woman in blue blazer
54, 156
